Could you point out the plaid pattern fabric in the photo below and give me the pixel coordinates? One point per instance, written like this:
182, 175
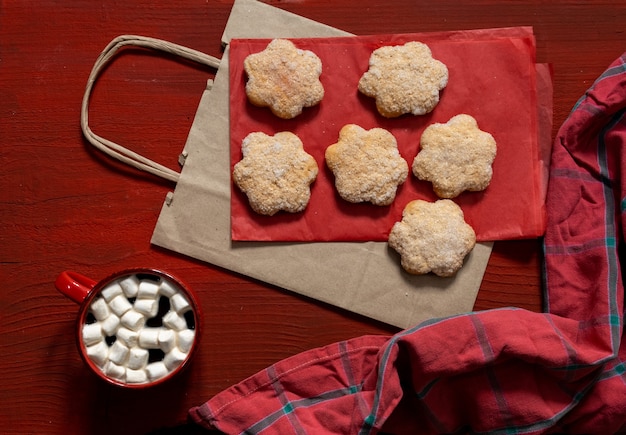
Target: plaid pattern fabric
504, 371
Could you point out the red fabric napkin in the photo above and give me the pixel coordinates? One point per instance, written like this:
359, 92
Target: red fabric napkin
491, 77
501, 371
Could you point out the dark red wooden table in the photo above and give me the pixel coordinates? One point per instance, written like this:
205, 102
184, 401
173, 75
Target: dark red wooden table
66, 206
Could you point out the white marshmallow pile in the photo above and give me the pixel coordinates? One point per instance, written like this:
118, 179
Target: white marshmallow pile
128, 337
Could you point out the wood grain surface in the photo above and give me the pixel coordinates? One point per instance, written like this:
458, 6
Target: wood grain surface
64, 205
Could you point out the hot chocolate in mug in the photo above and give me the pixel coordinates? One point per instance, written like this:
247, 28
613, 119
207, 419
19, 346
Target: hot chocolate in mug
135, 328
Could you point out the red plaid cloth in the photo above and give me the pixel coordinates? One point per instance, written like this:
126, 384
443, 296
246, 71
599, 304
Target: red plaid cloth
506, 371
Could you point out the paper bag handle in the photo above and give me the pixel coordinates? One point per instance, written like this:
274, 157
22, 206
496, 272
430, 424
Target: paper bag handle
111, 148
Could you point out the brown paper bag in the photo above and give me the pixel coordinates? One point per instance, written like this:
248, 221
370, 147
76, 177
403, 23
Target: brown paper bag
365, 278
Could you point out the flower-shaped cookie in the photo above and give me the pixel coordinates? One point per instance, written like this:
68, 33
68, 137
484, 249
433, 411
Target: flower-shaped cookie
367, 165
455, 156
404, 79
275, 173
432, 237
284, 78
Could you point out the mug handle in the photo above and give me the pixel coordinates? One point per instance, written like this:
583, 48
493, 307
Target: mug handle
74, 285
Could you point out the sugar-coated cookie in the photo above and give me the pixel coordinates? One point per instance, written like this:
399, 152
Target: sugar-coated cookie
284, 78
367, 165
275, 173
404, 79
455, 156
432, 237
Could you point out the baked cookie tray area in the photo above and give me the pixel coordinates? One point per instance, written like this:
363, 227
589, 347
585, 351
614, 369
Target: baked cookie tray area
492, 77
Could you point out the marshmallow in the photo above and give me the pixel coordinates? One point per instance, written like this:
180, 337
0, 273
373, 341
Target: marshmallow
110, 324
130, 286
167, 339
136, 376
133, 320
98, 353
167, 288
110, 291
174, 321
92, 334
179, 303
149, 307
114, 371
149, 338
185, 339
156, 370
100, 309
119, 305
174, 358
148, 290
128, 336
138, 358
118, 353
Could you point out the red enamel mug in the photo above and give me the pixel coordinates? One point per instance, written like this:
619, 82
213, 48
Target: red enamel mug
136, 328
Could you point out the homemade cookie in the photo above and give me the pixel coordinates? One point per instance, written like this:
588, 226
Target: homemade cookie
404, 79
367, 165
455, 156
284, 78
432, 237
275, 173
